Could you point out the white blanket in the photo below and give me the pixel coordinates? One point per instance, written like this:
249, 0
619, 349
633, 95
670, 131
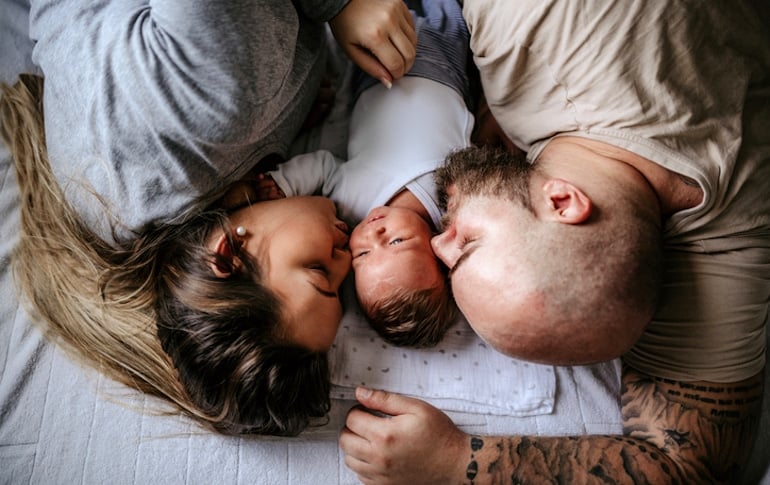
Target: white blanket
462, 373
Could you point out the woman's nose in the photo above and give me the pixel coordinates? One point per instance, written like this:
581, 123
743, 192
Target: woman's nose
340, 240
340, 265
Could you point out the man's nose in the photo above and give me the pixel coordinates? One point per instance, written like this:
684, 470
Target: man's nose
442, 247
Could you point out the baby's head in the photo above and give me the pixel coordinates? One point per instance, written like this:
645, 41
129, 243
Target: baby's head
401, 285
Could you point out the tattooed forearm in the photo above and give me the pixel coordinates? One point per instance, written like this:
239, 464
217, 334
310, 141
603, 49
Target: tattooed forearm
707, 428
584, 459
674, 432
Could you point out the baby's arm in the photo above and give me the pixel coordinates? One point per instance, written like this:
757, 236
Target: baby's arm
307, 174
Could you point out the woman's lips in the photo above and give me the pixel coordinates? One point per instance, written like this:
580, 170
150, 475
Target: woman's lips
342, 227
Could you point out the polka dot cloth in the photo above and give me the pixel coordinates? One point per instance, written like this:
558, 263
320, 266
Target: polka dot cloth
462, 373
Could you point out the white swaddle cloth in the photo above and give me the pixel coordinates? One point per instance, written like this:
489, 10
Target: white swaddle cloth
462, 373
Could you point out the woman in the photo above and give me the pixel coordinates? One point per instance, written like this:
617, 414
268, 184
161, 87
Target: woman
134, 185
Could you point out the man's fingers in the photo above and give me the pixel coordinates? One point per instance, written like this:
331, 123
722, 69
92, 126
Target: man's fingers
386, 402
362, 469
353, 443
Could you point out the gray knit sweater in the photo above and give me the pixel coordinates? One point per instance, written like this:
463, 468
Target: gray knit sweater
150, 105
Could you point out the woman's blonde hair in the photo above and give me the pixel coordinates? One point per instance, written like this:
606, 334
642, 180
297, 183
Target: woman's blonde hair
149, 312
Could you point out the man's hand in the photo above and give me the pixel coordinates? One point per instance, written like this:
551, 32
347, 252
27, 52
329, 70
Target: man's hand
378, 35
415, 442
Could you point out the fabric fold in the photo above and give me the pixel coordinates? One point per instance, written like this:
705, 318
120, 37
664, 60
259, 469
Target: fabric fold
462, 373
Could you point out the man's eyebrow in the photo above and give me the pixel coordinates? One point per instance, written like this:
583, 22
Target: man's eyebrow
463, 258
327, 294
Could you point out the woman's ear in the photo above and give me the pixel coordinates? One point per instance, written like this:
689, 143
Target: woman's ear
566, 202
224, 263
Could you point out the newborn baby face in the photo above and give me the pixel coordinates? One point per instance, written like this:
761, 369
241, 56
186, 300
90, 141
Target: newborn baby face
391, 251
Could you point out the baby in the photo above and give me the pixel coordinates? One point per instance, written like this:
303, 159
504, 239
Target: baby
397, 138
401, 285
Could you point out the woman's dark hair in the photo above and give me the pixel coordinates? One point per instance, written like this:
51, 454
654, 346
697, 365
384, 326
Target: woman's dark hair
223, 335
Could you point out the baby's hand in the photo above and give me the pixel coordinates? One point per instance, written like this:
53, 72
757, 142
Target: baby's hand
267, 189
251, 190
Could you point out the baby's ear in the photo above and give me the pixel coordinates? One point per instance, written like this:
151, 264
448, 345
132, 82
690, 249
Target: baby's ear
566, 203
225, 262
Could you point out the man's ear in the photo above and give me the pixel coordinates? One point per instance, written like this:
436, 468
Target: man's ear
225, 263
566, 202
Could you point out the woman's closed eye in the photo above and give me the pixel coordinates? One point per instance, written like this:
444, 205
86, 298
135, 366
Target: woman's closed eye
322, 281
320, 269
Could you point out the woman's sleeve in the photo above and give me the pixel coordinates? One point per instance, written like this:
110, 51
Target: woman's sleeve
152, 104
321, 10
203, 68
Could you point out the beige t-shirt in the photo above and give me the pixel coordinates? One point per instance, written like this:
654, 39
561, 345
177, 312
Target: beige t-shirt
686, 87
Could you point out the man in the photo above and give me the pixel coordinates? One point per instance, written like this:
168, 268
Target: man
641, 121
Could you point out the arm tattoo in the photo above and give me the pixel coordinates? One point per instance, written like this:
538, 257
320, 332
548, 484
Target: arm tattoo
674, 432
473, 467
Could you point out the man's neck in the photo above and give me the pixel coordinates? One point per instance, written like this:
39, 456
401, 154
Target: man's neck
674, 191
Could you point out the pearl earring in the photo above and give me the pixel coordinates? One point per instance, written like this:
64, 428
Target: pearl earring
240, 231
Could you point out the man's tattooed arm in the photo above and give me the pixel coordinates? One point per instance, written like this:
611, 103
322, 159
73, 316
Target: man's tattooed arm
674, 432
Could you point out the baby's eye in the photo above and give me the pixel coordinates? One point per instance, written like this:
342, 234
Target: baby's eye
362, 253
396, 241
